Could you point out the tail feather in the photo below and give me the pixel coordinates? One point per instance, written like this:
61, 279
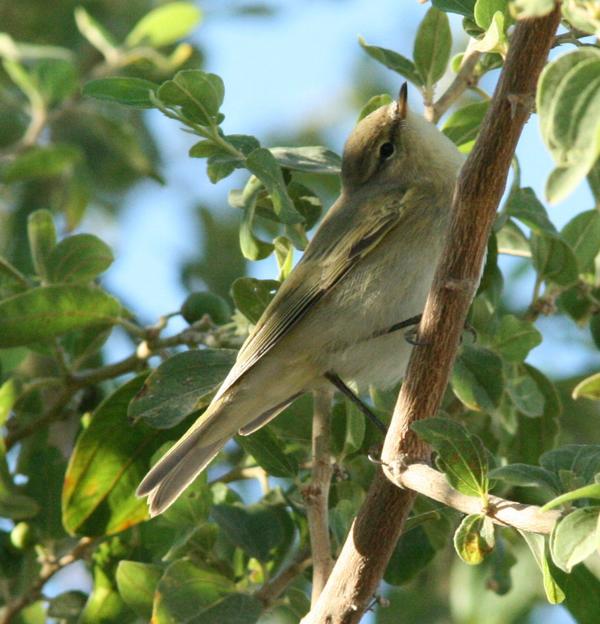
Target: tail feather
183, 468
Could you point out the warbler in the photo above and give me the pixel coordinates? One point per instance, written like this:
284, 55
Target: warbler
367, 269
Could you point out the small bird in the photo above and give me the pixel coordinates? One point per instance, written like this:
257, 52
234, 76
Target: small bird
366, 271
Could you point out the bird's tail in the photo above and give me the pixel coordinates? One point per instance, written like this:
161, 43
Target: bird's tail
178, 467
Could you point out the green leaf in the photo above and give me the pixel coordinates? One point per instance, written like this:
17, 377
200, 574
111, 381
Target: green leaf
41, 233
269, 453
45, 470
252, 247
136, 582
374, 103
514, 338
551, 80
252, 296
307, 203
256, 529
48, 311
198, 304
526, 207
199, 95
165, 25
511, 239
524, 392
582, 589
13, 504
581, 15
122, 89
311, 158
587, 491
355, 429
522, 9
568, 104
42, 162
486, 9
563, 180
189, 593
432, 46
96, 34
462, 7
56, 80
284, 254
104, 605
575, 538
394, 61
494, 41
108, 462
588, 388
593, 179
9, 393
462, 126
179, 386
79, 258
534, 436
265, 167
67, 606
461, 455
582, 233
193, 506
412, 553
474, 539
554, 260
477, 378
537, 545
25, 81
583, 460
524, 475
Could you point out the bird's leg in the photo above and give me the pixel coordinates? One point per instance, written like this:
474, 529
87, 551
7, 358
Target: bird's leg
343, 388
410, 335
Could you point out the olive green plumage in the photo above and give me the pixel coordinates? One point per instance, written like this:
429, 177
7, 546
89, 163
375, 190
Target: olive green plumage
369, 266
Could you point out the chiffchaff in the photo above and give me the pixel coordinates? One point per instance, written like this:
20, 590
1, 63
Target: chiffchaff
368, 267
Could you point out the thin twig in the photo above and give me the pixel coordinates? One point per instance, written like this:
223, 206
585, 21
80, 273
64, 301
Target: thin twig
465, 79
48, 570
373, 535
316, 494
424, 479
273, 588
74, 381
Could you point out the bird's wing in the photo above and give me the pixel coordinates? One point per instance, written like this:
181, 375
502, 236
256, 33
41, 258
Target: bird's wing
321, 268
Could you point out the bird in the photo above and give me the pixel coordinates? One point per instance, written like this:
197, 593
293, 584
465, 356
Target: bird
365, 274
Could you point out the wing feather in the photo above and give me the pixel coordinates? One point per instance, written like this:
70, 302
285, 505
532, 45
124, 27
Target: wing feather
322, 267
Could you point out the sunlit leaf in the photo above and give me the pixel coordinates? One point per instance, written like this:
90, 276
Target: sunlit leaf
165, 24
48, 311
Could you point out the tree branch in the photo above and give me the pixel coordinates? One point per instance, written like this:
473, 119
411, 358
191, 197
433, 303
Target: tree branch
316, 494
465, 78
379, 523
425, 480
48, 570
273, 588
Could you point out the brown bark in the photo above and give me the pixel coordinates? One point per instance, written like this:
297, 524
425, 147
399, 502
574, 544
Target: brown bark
378, 525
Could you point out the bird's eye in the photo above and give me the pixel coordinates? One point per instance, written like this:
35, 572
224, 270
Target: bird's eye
386, 150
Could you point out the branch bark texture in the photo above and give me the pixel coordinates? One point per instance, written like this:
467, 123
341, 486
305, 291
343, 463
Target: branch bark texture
479, 189
425, 480
316, 493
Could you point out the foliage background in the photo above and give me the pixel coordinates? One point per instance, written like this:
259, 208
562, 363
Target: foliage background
308, 92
